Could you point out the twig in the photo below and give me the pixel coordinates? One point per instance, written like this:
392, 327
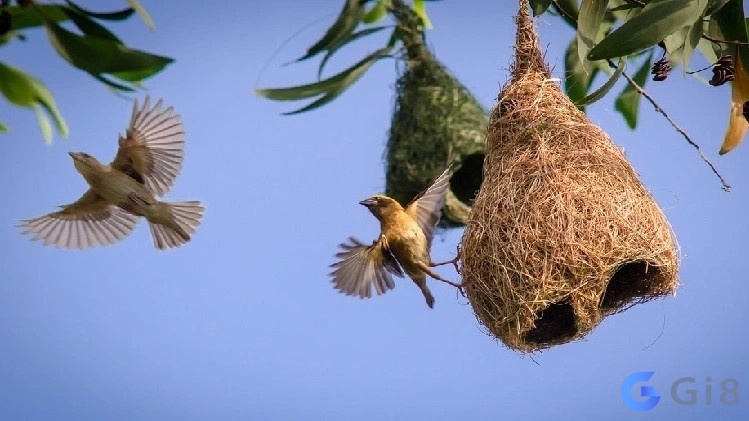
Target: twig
691, 72
686, 136
721, 41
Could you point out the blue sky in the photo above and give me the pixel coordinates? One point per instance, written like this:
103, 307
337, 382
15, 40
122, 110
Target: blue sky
242, 323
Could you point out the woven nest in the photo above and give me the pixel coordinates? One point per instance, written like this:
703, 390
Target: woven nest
562, 232
435, 119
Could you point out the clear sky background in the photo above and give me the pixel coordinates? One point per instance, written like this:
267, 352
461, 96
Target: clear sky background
243, 323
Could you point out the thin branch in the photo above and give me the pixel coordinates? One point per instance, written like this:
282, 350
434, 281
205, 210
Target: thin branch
721, 41
691, 72
681, 131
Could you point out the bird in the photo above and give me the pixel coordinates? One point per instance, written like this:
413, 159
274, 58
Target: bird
403, 245
148, 160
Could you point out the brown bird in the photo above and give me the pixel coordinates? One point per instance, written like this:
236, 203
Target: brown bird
147, 162
404, 245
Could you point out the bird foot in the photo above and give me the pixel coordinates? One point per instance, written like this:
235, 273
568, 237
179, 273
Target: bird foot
457, 285
454, 261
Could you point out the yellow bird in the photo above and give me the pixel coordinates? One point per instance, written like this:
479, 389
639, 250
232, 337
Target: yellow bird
403, 246
147, 162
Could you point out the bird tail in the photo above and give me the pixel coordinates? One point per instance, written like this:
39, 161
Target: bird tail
184, 217
427, 296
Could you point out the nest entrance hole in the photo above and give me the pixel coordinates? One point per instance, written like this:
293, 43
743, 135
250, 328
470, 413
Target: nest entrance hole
554, 324
631, 282
465, 182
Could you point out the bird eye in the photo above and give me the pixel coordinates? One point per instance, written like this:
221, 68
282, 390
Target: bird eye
85, 155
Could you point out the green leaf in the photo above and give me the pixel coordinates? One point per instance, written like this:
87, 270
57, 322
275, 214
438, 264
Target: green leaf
17, 85
98, 56
628, 102
331, 87
589, 23
569, 11
117, 15
89, 26
676, 40
29, 17
396, 36
539, 6
3, 128
713, 30
133, 76
623, 7
730, 20
714, 5
141, 11
577, 81
421, 11
657, 20
377, 12
603, 90
353, 37
623, 10
706, 48
690, 44
25, 90
348, 19
44, 125
115, 86
329, 96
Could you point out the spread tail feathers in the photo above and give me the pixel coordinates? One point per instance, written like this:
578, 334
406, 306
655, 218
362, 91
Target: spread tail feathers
185, 217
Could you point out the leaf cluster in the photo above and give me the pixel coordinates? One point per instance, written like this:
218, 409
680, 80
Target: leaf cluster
343, 31
633, 31
92, 48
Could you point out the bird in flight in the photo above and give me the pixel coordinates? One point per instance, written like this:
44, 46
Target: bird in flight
403, 245
148, 160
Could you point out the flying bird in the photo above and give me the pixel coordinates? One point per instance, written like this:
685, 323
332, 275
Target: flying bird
403, 245
148, 160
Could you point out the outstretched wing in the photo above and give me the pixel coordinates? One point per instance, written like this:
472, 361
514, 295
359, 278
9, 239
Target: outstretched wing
153, 147
426, 208
87, 222
362, 267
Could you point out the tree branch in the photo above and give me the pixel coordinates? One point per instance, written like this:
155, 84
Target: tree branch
722, 41
681, 131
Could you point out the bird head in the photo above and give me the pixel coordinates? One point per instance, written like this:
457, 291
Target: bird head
380, 205
84, 162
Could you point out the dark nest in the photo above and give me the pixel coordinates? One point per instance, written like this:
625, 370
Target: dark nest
435, 119
562, 232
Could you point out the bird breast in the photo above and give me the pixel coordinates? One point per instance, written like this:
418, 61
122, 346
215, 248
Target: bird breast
407, 242
117, 187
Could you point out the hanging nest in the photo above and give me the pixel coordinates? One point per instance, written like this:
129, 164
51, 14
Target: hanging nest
562, 232
435, 119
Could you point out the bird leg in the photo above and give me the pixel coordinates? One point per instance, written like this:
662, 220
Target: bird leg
454, 261
436, 276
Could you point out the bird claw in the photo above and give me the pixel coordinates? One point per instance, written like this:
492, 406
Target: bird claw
458, 285
454, 261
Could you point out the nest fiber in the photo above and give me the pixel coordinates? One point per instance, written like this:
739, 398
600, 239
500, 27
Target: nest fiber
562, 232
435, 119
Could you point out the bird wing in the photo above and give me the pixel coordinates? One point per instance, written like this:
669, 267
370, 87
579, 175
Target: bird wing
362, 266
426, 208
153, 147
87, 222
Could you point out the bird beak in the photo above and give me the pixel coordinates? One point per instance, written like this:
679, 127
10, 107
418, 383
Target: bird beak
367, 202
73, 155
